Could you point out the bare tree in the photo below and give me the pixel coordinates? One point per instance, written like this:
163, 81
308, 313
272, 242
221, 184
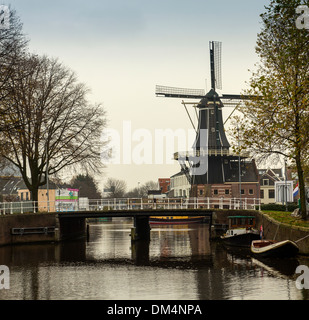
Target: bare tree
142, 191
56, 127
149, 185
117, 188
13, 46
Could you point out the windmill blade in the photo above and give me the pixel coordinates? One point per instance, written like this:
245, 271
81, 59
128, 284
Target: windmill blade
217, 64
238, 97
233, 100
173, 92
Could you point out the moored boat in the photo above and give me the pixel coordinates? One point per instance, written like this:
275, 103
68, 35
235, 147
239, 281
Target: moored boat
271, 248
175, 220
241, 237
241, 231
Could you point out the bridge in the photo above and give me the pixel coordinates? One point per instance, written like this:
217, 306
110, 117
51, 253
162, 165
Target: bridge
141, 228
56, 220
120, 204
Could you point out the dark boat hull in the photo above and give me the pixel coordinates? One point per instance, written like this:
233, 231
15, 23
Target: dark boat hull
241, 240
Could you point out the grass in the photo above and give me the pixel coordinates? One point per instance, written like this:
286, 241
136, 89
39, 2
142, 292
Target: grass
285, 217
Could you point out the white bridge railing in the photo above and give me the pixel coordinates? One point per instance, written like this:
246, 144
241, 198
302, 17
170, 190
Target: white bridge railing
129, 204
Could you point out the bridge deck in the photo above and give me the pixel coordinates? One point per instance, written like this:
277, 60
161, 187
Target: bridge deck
136, 213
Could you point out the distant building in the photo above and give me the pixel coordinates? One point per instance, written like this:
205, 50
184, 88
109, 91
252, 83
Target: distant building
9, 186
156, 194
164, 184
43, 205
66, 199
179, 186
267, 179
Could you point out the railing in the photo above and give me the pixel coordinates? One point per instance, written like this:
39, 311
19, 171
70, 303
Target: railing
208, 152
130, 204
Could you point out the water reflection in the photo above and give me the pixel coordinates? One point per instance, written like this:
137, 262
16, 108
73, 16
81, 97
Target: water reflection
178, 263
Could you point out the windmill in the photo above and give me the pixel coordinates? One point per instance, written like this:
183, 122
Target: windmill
210, 161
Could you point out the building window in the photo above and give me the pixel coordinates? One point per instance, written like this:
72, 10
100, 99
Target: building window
265, 182
22, 196
262, 194
251, 192
227, 191
242, 191
215, 191
271, 194
201, 192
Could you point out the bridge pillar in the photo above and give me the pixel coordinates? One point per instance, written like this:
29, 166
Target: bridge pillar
141, 229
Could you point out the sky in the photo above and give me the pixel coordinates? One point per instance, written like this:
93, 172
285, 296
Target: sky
122, 49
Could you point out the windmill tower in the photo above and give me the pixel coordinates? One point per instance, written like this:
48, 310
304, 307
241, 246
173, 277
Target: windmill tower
210, 162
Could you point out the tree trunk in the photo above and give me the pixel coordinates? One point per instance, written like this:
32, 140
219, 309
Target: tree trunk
34, 197
301, 186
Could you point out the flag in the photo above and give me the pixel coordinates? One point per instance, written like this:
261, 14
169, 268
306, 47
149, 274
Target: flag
295, 191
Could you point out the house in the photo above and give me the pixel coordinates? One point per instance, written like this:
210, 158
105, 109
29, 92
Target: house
267, 179
56, 198
179, 186
43, 204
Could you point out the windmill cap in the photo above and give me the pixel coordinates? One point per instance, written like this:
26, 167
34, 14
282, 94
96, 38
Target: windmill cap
209, 98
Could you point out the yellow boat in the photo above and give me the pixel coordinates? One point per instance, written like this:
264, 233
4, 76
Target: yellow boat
175, 220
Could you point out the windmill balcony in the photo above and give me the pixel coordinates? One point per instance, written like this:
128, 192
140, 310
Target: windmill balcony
210, 152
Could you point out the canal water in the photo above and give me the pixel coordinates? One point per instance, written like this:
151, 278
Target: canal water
179, 263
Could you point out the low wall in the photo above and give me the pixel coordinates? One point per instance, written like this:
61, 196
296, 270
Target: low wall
23, 221
279, 231
30, 228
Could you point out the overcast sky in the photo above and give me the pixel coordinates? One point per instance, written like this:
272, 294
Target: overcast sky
123, 48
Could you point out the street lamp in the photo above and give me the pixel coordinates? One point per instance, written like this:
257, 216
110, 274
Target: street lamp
239, 168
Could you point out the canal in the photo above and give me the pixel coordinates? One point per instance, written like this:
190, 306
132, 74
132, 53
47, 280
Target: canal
180, 263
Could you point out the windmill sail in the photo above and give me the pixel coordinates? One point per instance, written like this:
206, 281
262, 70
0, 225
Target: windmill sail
215, 64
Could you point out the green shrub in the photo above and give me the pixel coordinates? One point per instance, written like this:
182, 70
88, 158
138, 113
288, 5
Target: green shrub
278, 207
